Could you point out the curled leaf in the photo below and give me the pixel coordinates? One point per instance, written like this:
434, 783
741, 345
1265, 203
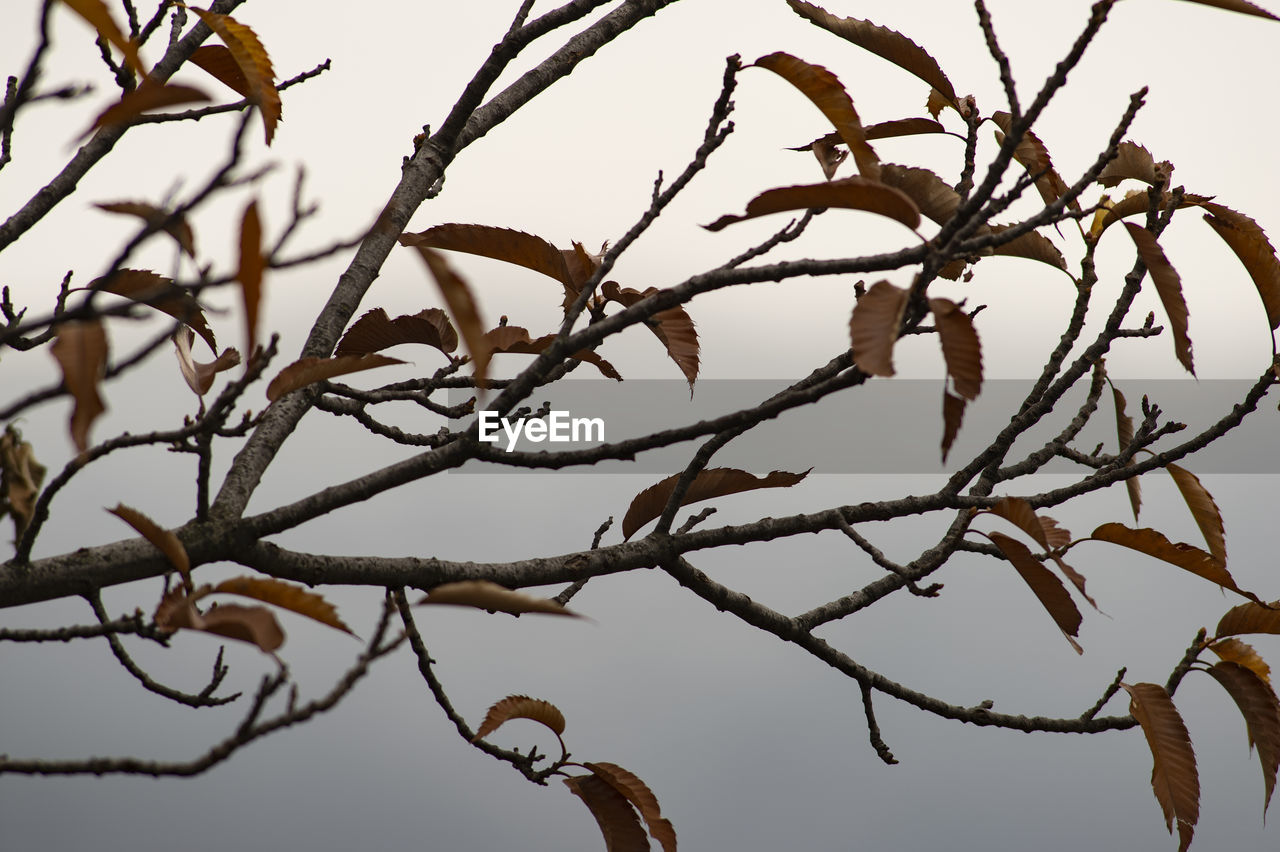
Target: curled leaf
1261, 711
374, 332
157, 291
306, 371
1124, 435
175, 226
952, 418
1232, 650
642, 798
851, 193
874, 326
961, 348
20, 479
521, 707
80, 349
708, 484
250, 272
618, 821
199, 376
1250, 618
1173, 773
164, 540
1169, 288
462, 306
483, 594
143, 99
935, 198
1048, 589
513, 338
1203, 509
1033, 156
253, 624
1134, 162
217, 60
249, 54
1250, 244
1186, 557
673, 327
286, 596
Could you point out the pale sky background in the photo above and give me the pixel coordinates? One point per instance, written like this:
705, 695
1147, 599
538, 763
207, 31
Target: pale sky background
748, 744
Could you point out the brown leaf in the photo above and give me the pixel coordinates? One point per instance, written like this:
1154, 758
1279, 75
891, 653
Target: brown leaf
99, 17
937, 102
710, 483
1232, 650
157, 291
1048, 589
1250, 244
932, 195
178, 228
255, 65
521, 707
199, 376
829, 156
249, 273
20, 479
462, 306
483, 594
503, 244
1242, 6
1018, 512
1250, 618
641, 797
852, 193
873, 327
885, 43
1032, 246
217, 60
306, 371
903, 127
81, 351
1138, 202
823, 88
253, 624
1134, 162
673, 327
513, 338
286, 596
1261, 711
1169, 287
164, 540
618, 821
374, 332
145, 98
1173, 773
952, 417
1186, 557
1203, 509
961, 348
1033, 156
1124, 436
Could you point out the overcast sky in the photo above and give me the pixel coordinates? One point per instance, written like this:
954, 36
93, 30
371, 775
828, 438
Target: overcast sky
747, 743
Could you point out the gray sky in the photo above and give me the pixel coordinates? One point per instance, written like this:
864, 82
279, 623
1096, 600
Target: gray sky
747, 743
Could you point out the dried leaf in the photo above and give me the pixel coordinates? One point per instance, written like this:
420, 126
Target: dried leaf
1242, 6
642, 798
176, 227
1032, 246
254, 624
1250, 618
145, 98
483, 594
852, 193
513, 338
1048, 589
1032, 154
903, 127
1173, 774
1138, 201
20, 479
1124, 435
157, 291
1018, 512
503, 244
873, 327
673, 327
823, 88
961, 348
829, 156
521, 707
99, 17
952, 418
463, 308
710, 483
1134, 162
217, 60
885, 43
1250, 244
1261, 711
1186, 557
81, 351
286, 596
250, 271
1232, 650
254, 63
306, 371
1203, 509
374, 332
1169, 287
618, 821
164, 540
934, 197
199, 376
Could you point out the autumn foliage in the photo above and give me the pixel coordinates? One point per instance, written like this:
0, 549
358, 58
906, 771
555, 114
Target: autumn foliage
947, 226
